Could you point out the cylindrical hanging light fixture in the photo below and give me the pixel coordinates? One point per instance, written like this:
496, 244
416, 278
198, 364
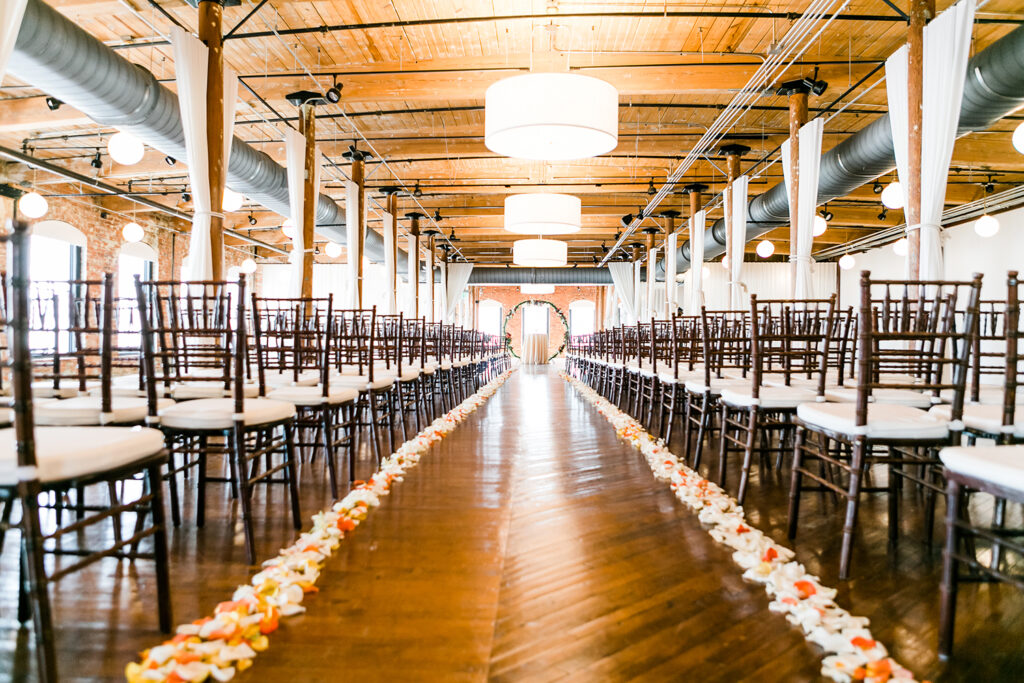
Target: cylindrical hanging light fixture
537, 289
551, 117
539, 253
542, 214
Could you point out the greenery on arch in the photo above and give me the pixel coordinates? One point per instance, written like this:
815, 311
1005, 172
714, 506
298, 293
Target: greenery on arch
536, 302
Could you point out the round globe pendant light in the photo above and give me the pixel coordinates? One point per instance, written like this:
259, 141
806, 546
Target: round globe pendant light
133, 232
539, 253
1018, 138
765, 248
248, 266
537, 289
333, 250
551, 117
900, 247
542, 214
125, 149
986, 226
288, 228
819, 227
725, 261
33, 205
232, 201
846, 261
892, 195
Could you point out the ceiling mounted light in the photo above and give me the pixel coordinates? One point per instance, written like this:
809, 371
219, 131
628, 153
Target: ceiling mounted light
651, 189
53, 104
416, 191
333, 250
900, 247
248, 266
537, 289
551, 117
819, 227
765, 248
877, 187
542, 214
125, 149
97, 160
1018, 138
826, 214
288, 228
986, 226
539, 253
252, 219
232, 201
892, 195
846, 261
33, 205
133, 232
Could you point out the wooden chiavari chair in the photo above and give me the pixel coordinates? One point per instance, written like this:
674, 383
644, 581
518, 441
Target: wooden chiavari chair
789, 340
684, 340
905, 343
195, 343
35, 461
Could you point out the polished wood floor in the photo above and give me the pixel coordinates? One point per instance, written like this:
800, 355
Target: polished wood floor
530, 545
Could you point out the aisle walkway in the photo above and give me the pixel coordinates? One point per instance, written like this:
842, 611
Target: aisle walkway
533, 545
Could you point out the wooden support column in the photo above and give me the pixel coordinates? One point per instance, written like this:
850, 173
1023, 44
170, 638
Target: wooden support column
429, 270
414, 254
797, 118
210, 29
307, 126
921, 12
670, 216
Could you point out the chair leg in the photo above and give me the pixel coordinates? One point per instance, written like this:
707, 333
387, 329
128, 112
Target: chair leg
702, 428
723, 446
852, 503
948, 588
327, 429
797, 481
293, 473
34, 583
748, 454
163, 571
236, 450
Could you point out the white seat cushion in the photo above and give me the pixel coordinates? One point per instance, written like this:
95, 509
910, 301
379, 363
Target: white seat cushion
86, 410
362, 382
770, 397
899, 397
218, 413
70, 452
44, 389
409, 374
313, 396
698, 386
986, 396
884, 421
1003, 465
197, 390
983, 418
122, 385
286, 378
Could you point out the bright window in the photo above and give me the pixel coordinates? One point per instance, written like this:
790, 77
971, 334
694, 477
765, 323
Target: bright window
581, 317
130, 264
490, 317
535, 319
51, 259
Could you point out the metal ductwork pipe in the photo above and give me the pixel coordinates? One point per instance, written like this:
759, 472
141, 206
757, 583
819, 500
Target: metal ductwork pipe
539, 276
994, 89
61, 59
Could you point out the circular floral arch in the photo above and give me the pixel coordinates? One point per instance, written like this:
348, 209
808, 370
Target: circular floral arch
536, 302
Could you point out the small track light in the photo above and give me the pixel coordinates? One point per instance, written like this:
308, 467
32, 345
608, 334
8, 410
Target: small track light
252, 219
333, 94
826, 214
186, 197
97, 160
990, 186
53, 104
651, 189
877, 188
169, 160
437, 216
416, 191
883, 214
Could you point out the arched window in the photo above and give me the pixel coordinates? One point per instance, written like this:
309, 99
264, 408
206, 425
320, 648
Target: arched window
489, 318
582, 317
135, 258
56, 253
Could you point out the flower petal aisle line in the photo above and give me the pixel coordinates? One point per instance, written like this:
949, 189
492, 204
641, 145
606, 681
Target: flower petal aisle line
219, 646
852, 653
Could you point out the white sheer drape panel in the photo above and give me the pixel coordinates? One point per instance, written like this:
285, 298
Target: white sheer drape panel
651, 309
354, 238
809, 141
769, 280
429, 291
230, 83
639, 300
947, 43
458, 278
413, 274
390, 267
671, 267
190, 64
622, 277
295, 164
738, 192
611, 307
696, 294
11, 14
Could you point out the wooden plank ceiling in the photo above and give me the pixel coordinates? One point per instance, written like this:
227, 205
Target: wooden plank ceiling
414, 73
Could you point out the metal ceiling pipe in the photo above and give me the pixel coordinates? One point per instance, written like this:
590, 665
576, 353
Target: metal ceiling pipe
539, 276
55, 55
994, 89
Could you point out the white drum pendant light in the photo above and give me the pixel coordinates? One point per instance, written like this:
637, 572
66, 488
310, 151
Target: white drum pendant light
539, 253
551, 117
542, 214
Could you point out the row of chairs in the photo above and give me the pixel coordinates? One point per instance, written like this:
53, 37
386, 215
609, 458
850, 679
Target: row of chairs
905, 383
194, 384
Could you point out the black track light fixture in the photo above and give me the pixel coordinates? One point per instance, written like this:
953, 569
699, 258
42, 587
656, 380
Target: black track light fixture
826, 214
883, 214
651, 189
990, 186
53, 104
252, 219
877, 188
169, 160
316, 250
333, 94
416, 191
186, 197
437, 216
97, 160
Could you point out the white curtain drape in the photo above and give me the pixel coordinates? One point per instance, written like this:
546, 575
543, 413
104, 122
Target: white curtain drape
947, 45
390, 267
11, 14
458, 278
639, 300
738, 193
696, 293
413, 273
651, 309
295, 164
429, 284
807, 200
671, 266
622, 277
611, 307
354, 238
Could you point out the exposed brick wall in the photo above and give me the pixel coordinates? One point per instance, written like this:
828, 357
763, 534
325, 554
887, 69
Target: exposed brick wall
510, 296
